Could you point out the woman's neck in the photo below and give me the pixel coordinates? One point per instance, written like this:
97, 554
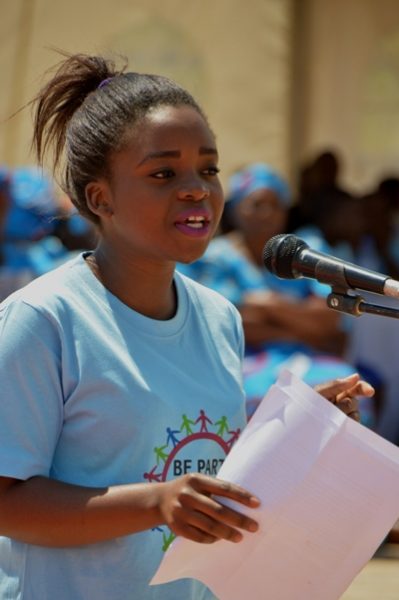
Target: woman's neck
146, 287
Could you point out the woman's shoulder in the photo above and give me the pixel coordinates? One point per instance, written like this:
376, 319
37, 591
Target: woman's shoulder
212, 311
204, 295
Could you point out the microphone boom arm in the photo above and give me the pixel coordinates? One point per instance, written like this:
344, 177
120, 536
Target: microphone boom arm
289, 257
340, 300
354, 305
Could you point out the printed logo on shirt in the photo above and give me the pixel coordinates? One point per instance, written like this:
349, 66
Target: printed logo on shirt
198, 445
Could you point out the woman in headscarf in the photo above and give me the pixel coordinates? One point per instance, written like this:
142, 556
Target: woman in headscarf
286, 322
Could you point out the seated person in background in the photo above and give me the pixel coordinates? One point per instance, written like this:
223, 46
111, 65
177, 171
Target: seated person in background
286, 322
74, 231
380, 245
32, 219
320, 175
338, 221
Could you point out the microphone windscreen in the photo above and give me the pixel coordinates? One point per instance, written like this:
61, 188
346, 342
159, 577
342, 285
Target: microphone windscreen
279, 253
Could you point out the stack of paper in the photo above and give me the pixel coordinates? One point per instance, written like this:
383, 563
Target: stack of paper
330, 493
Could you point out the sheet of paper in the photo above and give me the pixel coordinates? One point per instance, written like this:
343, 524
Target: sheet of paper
330, 493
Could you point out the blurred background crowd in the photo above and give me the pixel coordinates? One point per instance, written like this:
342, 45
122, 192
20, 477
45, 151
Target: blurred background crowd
287, 322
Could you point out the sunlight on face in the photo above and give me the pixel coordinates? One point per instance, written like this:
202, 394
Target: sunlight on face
165, 193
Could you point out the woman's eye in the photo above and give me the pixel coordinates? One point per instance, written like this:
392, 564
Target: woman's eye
212, 171
164, 174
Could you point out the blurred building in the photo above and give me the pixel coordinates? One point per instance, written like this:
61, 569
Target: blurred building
280, 79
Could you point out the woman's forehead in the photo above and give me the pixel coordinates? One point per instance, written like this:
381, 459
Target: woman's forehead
178, 122
167, 132
264, 196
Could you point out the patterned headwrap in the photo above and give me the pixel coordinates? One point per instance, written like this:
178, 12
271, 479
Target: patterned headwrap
255, 177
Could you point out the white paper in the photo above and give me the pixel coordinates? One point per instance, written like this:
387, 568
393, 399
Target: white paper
330, 493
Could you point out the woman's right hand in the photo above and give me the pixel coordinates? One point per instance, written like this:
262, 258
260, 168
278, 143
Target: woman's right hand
51, 513
190, 506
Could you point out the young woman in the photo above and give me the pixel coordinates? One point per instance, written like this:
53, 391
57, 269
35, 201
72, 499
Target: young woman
121, 379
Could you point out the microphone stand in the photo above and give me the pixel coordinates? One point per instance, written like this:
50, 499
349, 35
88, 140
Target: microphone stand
340, 299
355, 305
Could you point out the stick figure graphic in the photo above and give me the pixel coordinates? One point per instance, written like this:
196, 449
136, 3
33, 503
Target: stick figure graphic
152, 476
186, 425
223, 426
171, 436
160, 455
234, 437
203, 419
167, 540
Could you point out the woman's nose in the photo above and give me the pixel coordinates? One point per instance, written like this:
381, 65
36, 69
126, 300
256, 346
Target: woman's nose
193, 190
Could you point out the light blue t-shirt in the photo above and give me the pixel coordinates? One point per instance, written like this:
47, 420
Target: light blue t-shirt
96, 394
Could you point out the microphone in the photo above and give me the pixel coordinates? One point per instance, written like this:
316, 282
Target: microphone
289, 257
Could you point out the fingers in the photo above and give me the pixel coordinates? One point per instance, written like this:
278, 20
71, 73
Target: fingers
355, 415
207, 528
330, 389
362, 388
221, 521
344, 392
347, 386
349, 406
347, 401
350, 411
196, 514
195, 534
211, 485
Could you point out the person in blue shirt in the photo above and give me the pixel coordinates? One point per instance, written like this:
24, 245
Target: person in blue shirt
121, 378
287, 323
38, 233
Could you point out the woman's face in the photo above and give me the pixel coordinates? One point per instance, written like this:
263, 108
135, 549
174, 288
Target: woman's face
164, 199
262, 214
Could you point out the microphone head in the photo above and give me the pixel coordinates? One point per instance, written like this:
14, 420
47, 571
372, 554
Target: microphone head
279, 253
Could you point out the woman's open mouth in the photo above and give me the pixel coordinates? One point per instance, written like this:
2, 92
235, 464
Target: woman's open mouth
194, 223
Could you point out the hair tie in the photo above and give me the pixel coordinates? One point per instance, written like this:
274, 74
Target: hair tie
104, 82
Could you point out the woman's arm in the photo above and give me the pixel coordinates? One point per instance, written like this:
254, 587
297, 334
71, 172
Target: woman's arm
269, 317
46, 512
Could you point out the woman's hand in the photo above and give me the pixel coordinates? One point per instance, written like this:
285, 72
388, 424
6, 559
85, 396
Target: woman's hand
51, 513
190, 508
344, 392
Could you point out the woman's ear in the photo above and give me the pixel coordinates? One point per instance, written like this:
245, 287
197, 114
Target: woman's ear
98, 199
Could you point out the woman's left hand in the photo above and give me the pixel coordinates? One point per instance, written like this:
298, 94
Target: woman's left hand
344, 393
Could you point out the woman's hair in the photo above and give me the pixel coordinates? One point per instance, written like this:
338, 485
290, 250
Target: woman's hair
85, 111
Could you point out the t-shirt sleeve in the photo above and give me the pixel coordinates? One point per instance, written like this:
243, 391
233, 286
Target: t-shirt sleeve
239, 333
31, 399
